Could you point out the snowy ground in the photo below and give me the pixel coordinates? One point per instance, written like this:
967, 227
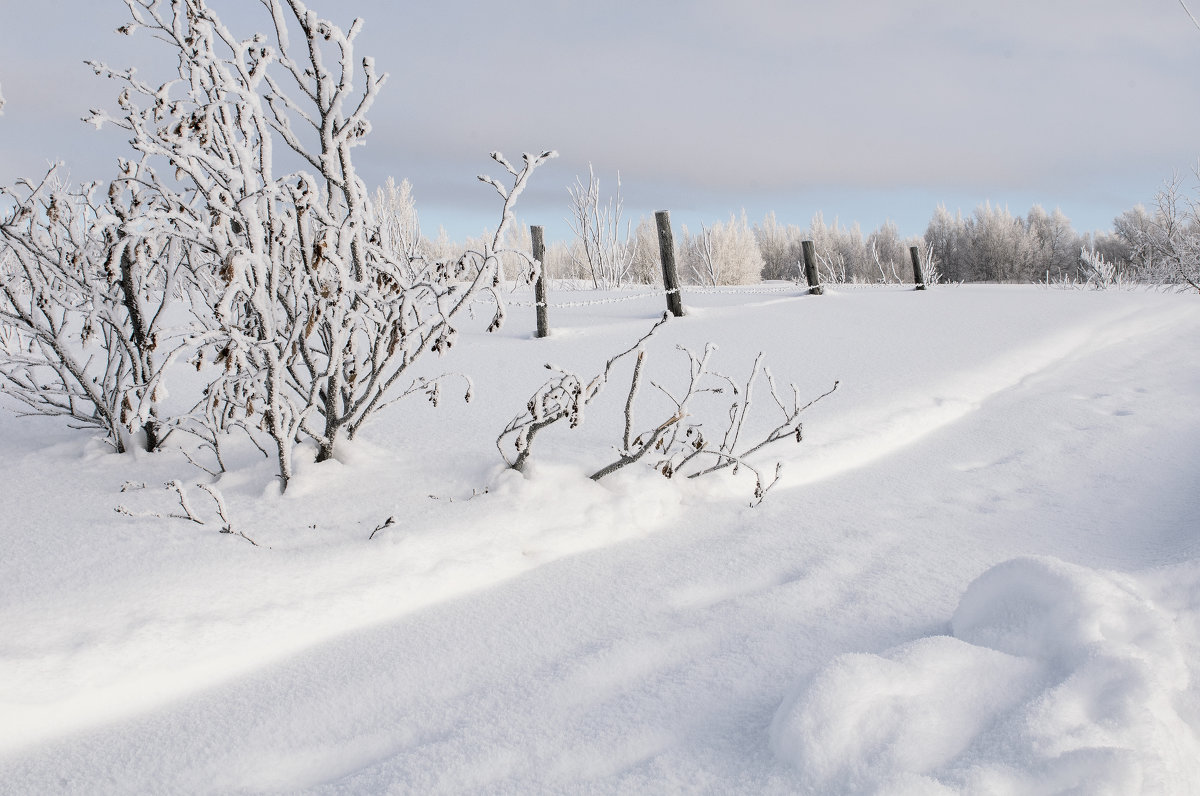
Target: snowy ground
980, 574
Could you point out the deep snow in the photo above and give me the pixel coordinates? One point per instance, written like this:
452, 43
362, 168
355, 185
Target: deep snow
979, 574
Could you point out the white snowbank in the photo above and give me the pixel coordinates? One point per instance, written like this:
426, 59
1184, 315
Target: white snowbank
1057, 678
554, 635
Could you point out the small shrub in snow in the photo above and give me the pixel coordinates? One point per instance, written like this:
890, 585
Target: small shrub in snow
1098, 272
189, 513
677, 443
85, 284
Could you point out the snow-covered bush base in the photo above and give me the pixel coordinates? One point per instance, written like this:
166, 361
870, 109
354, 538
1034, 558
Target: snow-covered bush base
1056, 678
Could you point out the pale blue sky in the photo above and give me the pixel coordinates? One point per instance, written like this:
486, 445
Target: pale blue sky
863, 110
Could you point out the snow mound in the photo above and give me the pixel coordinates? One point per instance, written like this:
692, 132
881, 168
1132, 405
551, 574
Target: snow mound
1057, 678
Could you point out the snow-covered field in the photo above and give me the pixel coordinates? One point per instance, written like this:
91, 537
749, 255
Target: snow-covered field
979, 574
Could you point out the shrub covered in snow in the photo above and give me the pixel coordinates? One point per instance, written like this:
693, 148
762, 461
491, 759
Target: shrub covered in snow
676, 442
312, 306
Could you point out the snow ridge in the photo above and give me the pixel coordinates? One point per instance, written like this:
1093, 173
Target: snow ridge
1056, 678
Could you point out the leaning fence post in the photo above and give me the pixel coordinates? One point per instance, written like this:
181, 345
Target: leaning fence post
537, 235
666, 250
918, 273
810, 268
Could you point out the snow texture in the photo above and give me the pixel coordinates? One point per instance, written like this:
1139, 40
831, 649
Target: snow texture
980, 573
1057, 678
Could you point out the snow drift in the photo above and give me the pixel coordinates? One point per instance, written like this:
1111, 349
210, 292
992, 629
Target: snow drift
1056, 678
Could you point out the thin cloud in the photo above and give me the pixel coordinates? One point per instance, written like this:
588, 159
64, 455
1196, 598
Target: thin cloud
1072, 99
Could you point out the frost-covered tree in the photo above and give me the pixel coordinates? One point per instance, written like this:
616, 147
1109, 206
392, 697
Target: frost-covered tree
441, 248
779, 247
994, 245
1055, 245
604, 248
514, 261
394, 217
1113, 248
646, 268
945, 236
1134, 230
842, 253
724, 254
1174, 236
890, 253
999, 250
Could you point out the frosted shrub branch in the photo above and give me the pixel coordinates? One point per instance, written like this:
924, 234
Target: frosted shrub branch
85, 286
931, 268
1098, 272
562, 397
675, 443
189, 514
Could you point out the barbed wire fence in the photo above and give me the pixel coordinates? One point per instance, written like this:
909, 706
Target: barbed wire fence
673, 290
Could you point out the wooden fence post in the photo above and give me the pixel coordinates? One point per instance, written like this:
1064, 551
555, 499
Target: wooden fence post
538, 236
810, 268
666, 250
918, 273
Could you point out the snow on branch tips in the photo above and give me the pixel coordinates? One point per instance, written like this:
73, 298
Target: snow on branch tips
677, 442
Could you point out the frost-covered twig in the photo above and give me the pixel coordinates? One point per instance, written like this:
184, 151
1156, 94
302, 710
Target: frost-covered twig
223, 512
562, 397
189, 514
931, 269
180, 494
676, 443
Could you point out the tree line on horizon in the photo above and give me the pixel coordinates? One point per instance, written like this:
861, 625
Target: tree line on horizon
1159, 245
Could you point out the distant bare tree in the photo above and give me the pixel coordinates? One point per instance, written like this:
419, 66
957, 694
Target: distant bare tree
779, 247
724, 254
394, 218
603, 249
646, 268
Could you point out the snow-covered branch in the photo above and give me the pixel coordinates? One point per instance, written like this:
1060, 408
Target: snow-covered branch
675, 442
85, 286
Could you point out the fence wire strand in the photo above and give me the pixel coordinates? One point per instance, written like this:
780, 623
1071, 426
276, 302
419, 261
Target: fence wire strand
731, 290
